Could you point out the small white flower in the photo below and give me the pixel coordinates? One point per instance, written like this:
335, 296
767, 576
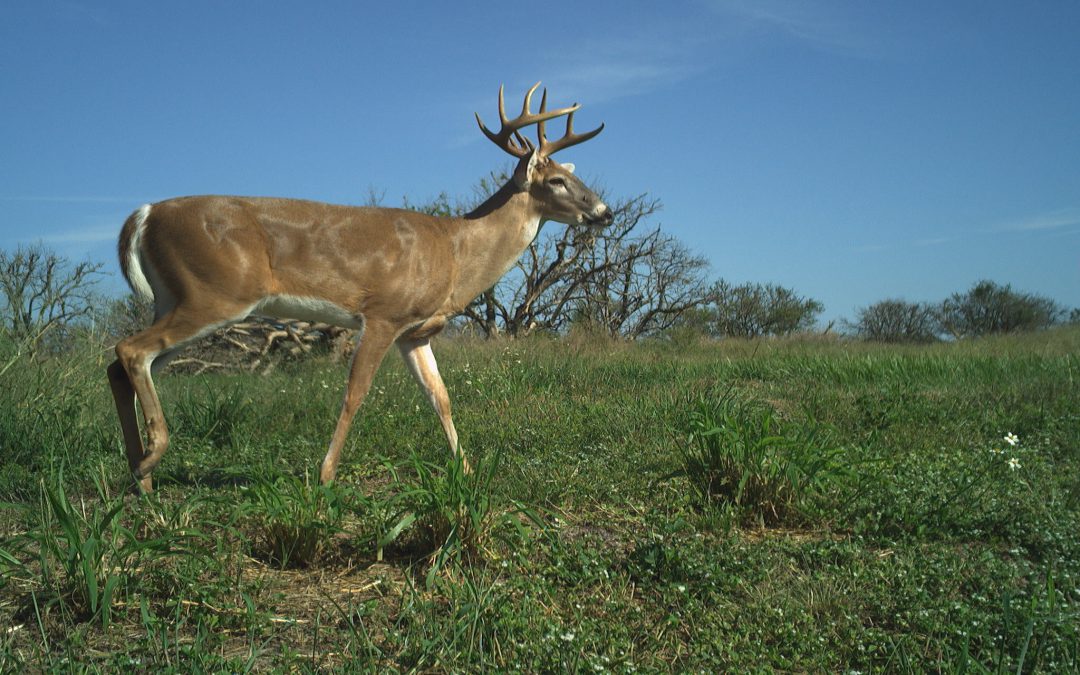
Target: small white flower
997, 451
681, 588
1014, 463
1011, 439
568, 636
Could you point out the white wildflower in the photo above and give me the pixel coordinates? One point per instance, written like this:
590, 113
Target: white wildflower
1011, 439
568, 636
1014, 463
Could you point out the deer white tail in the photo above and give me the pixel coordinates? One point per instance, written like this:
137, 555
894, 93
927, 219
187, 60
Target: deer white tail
130, 255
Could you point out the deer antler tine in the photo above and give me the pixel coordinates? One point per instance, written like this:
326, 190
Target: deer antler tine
502, 106
509, 137
483, 128
569, 139
528, 98
541, 132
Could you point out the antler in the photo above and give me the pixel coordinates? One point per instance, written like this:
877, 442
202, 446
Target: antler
569, 138
510, 139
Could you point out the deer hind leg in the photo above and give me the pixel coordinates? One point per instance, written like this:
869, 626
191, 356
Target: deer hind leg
124, 397
130, 377
374, 343
421, 361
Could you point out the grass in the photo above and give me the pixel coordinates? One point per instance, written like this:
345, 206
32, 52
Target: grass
781, 505
743, 459
293, 517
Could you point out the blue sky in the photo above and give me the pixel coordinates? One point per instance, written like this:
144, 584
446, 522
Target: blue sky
850, 150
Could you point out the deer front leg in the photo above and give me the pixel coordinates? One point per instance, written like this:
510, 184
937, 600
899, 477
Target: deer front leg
418, 355
374, 342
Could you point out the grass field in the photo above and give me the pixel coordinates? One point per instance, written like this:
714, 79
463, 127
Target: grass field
733, 506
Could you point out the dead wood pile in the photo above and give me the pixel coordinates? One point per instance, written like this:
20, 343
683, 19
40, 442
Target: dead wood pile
259, 344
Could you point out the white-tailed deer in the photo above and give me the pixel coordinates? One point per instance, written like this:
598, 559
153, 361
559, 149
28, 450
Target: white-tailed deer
396, 275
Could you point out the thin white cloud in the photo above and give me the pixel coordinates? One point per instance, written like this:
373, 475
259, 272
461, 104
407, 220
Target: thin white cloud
1050, 220
871, 248
69, 199
600, 72
915, 243
660, 56
934, 241
635, 60
1058, 223
1064, 233
820, 25
89, 235
603, 79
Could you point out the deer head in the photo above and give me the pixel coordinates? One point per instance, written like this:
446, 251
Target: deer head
562, 196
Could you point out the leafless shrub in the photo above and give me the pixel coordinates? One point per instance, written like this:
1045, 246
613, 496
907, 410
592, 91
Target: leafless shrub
43, 296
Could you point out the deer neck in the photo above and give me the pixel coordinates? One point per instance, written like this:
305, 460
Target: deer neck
491, 238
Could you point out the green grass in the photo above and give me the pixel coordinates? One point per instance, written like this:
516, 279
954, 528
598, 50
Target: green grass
781, 505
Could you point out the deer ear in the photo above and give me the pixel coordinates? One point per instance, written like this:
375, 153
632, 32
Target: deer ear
569, 167
536, 161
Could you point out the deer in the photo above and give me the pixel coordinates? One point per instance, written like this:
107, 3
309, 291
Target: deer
395, 276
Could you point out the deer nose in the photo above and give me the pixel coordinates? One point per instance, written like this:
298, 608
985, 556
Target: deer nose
601, 217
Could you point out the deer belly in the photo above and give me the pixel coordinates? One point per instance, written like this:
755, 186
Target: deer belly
308, 309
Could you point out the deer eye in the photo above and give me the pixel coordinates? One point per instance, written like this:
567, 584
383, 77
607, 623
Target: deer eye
557, 181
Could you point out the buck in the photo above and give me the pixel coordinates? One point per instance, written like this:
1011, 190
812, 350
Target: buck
395, 275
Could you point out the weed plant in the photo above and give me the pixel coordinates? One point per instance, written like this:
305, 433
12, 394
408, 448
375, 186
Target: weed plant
294, 517
82, 560
454, 512
740, 455
214, 415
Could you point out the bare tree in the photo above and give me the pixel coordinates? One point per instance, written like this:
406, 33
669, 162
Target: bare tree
642, 286
549, 280
897, 321
992, 308
754, 310
44, 295
626, 284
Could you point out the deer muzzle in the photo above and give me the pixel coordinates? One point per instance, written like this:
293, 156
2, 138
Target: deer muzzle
601, 216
